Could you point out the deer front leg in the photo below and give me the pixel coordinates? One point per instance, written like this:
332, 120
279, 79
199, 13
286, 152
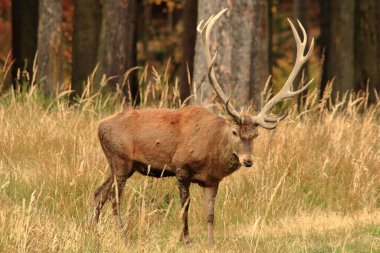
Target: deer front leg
210, 195
184, 185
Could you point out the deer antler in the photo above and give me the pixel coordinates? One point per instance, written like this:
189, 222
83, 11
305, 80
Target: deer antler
263, 118
271, 121
205, 34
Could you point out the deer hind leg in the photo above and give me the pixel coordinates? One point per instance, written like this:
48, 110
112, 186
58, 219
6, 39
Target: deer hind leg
112, 188
100, 197
121, 170
184, 192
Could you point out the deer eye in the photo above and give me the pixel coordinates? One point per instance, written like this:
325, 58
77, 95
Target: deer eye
234, 132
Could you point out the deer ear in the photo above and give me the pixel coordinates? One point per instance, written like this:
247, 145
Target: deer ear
221, 109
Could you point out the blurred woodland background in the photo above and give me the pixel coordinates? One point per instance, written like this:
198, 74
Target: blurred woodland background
105, 38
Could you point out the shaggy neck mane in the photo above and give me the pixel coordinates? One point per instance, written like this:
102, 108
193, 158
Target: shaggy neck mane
226, 149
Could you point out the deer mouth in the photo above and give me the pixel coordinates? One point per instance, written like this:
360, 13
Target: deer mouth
245, 163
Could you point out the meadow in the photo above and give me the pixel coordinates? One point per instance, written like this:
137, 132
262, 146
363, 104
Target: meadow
314, 187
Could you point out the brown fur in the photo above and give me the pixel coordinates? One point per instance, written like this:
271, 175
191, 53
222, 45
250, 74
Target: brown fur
192, 144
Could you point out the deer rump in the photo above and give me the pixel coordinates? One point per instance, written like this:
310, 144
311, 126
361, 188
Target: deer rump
164, 142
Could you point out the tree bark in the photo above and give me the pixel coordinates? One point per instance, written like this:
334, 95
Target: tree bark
24, 35
270, 37
117, 49
49, 45
85, 41
337, 25
259, 51
188, 45
301, 12
367, 44
240, 36
325, 20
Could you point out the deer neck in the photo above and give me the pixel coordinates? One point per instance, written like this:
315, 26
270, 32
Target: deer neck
230, 161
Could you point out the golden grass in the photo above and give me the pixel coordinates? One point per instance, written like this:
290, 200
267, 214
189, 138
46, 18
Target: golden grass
314, 188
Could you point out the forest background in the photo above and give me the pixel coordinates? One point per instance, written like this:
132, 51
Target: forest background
74, 38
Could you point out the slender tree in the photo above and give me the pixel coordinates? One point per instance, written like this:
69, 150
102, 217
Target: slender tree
259, 50
85, 41
301, 9
337, 32
367, 44
240, 36
189, 36
49, 45
24, 34
270, 36
117, 48
324, 19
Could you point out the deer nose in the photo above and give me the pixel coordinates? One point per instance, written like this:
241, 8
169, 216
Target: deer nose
248, 163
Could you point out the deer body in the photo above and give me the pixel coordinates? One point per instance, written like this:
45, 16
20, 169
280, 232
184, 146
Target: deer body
192, 143
191, 140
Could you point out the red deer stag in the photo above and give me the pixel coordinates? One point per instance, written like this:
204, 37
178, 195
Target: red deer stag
192, 144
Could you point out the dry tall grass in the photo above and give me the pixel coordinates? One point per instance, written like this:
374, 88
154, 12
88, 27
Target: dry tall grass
314, 187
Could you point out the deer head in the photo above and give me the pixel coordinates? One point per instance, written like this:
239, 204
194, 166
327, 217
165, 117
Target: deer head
244, 129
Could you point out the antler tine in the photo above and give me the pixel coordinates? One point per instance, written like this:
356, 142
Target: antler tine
265, 120
205, 34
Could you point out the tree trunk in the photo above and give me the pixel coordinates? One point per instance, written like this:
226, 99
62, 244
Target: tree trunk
240, 36
378, 51
85, 41
188, 45
270, 37
325, 20
338, 41
259, 51
24, 35
367, 44
49, 45
117, 49
301, 12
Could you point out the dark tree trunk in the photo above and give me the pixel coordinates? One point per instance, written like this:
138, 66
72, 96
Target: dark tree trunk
378, 51
117, 49
24, 34
188, 45
367, 44
144, 24
270, 37
87, 22
337, 25
301, 12
240, 35
325, 20
259, 51
49, 45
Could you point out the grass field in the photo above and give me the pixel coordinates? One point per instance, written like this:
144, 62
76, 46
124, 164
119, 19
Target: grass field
315, 185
